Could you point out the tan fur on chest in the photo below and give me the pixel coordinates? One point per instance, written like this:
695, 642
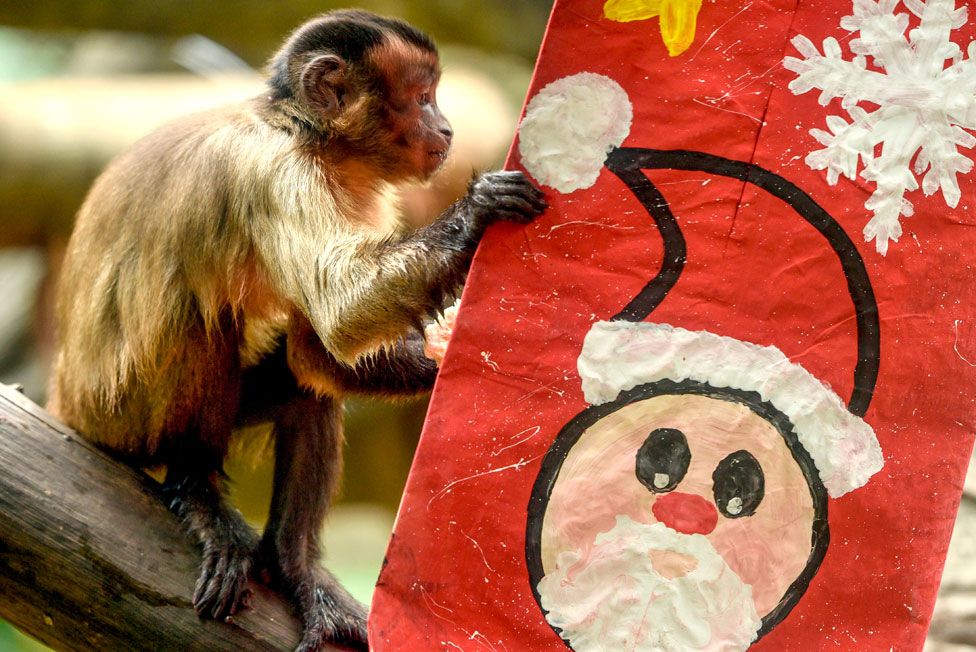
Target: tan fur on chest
259, 337
262, 311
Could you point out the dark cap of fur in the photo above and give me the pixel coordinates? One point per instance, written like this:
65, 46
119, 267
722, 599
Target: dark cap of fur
349, 33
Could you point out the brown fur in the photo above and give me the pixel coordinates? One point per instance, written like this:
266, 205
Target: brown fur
134, 311
213, 241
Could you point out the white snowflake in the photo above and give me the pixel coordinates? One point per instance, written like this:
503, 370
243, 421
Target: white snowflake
924, 107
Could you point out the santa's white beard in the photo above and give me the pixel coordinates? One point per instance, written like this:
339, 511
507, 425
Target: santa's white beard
616, 600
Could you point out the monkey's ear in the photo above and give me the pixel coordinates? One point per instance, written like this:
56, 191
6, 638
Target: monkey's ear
322, 82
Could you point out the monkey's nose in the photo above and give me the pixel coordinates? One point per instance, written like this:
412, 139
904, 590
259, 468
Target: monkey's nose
685, 513
447, 132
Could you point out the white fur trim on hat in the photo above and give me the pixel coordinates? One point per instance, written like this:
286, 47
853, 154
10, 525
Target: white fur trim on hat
620, 355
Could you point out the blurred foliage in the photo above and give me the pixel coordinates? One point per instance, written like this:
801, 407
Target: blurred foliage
381, 437
11, 640
252, 28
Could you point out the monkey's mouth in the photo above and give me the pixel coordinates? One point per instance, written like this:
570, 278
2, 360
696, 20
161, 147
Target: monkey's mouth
438, 155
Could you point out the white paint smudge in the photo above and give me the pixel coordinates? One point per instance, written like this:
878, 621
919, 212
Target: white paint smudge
486, 357
716, 30
955, 344
479, 549
528, 433
614, 599
569, 128
613, 227
475, 636
711, 105
517, 466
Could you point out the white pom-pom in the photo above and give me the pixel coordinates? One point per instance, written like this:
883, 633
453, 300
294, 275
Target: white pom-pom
569, 128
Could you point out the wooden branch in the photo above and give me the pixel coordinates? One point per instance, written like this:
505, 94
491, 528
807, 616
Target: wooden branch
90, 559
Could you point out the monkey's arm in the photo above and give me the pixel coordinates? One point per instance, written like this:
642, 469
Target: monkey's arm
398, 370
413, 276
361, 293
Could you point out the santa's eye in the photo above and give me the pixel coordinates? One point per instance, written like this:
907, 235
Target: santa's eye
738, 485
663, 459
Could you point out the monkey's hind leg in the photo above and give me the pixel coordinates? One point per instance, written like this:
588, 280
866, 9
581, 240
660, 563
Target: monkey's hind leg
308, 450
192, 490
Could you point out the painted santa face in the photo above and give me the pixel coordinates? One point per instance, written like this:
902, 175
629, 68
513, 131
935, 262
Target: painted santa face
678, 517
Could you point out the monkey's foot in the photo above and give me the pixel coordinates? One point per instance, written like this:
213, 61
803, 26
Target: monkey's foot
228, 549
330, 614
221, 589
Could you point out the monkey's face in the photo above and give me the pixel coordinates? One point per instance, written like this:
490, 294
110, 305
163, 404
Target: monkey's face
419, 134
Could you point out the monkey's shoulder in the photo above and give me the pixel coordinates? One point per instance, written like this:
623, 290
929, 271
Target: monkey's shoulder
229, 134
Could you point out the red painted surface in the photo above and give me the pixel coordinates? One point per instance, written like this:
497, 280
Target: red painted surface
456, 575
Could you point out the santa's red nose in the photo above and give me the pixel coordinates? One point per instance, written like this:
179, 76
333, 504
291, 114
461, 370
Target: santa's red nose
685, 513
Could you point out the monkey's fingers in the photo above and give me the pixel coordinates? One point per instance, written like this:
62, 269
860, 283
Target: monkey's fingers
530, 194
206, 596
517, 209
523, 200
501, 175
523, 190
504, 181
512, 178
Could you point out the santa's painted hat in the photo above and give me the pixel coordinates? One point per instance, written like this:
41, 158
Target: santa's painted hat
620, 355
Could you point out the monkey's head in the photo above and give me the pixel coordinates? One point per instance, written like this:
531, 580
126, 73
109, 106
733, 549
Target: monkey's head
365, 85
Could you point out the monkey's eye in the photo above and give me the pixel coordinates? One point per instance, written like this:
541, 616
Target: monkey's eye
738, 485
425, 98
663, 459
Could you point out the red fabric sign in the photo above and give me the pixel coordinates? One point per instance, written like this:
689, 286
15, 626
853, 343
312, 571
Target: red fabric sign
714, 398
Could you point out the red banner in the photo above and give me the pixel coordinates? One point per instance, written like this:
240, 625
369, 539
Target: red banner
720, 396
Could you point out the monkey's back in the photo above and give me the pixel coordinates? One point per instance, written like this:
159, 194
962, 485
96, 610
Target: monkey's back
154, 283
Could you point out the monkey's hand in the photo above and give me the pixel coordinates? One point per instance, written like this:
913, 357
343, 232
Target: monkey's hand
504, 195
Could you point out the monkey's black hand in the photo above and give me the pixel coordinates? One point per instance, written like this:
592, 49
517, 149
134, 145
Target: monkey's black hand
504, 195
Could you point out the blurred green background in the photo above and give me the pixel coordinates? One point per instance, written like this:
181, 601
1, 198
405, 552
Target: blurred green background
80, 79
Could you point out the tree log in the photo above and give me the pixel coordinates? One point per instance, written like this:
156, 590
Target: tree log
90, 558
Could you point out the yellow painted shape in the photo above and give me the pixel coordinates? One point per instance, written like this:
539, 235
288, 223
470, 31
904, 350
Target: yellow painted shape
678, 18
626, 11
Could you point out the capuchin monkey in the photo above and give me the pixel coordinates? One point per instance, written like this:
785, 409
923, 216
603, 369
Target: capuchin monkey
239, 266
